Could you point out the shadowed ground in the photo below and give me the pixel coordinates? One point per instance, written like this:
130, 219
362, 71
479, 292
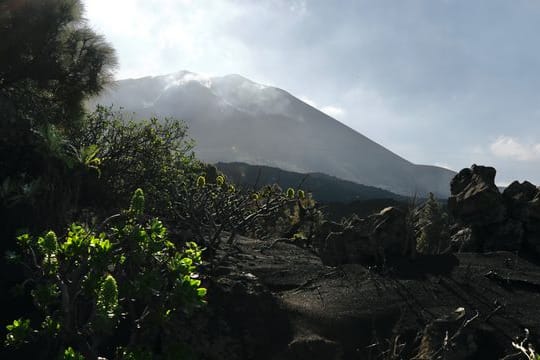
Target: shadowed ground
281, 302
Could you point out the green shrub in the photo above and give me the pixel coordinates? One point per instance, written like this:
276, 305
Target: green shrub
151, 154
121, 288
215, 212
194, 197
432, 225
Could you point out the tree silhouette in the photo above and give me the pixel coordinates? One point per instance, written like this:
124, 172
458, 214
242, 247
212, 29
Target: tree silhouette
50, 61
433, 227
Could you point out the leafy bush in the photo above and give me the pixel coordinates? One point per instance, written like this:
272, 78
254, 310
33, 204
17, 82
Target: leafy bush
157, 156
151, 154
119, 291
210, 209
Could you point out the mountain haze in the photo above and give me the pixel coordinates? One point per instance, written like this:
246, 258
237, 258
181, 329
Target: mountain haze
233, 119
325, 188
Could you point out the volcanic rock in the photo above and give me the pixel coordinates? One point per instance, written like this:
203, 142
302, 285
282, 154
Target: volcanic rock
475, 199
374, 239
281, 302
516, 197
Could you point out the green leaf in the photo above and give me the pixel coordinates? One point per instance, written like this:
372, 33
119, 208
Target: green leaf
48, 242
70, 354
18, 332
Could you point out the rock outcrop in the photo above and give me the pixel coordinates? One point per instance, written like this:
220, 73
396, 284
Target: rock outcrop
475, 199
491, 220
374, 239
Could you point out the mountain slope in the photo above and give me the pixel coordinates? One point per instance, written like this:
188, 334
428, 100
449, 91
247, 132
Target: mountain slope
234, 119
324, 188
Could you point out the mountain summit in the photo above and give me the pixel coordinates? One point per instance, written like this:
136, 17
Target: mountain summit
234, 119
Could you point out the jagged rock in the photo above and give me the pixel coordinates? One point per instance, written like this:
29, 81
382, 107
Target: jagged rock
373, 239
507, 235
493, 221
532, 223
475, 198
463, 240
533, 208
517, 191
516, 197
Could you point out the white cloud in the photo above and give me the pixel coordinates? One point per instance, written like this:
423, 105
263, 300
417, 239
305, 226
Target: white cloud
182, 78
333, 111
157, 37
444, 165
308, 101
330, 110
511, 148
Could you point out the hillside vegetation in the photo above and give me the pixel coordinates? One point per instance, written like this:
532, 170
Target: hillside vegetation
324, 188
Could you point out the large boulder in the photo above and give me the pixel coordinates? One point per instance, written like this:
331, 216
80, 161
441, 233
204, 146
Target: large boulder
371, 240
532, 223
494, 221
533, 208
516, 198
475, 199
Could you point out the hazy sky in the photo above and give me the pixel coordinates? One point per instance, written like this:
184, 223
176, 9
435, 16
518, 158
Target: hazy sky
439, 82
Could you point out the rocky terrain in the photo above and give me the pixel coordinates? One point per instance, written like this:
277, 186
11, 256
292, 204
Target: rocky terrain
492, 220
364, 293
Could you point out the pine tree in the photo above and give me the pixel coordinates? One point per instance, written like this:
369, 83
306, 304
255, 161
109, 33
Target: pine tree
50, 61
433, 227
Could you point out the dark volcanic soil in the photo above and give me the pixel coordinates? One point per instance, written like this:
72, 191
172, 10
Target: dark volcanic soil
280, 302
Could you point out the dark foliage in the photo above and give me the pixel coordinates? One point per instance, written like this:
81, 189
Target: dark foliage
151, 154
50, 61
325, 188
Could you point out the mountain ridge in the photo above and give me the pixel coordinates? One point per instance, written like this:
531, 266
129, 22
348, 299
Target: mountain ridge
234, 119
325, 188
